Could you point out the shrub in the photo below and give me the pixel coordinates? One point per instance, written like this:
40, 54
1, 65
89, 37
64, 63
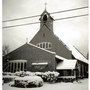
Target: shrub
8, 73
52, 76
48, 76
28, 81
20, 73
28, 73
23, 73
8, 78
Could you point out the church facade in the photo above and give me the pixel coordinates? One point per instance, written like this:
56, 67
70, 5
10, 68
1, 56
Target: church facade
46, 52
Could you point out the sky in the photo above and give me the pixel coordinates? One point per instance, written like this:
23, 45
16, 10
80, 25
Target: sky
71, 31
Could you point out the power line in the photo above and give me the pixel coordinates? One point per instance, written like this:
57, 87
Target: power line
48, 21
69, 10
71, 17
20, 25
21, 18
39, 15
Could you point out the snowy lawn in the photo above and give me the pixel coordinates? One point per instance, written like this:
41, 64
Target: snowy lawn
81, 85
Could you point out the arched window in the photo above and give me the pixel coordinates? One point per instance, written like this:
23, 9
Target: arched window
49, 45
45, 45
41, 45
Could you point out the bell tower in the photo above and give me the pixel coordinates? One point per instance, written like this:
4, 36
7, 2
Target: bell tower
46, 19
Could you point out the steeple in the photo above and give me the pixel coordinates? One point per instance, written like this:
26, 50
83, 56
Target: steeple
46, 19
45, 6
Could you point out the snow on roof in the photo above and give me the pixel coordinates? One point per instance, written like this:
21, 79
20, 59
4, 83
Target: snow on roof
67, 64
18, 61
77, 54
43, 63
59, 57
41, 48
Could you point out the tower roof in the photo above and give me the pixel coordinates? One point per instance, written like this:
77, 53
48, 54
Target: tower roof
45, 12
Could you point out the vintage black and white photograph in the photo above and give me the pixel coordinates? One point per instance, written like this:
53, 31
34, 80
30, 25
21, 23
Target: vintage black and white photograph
45, 45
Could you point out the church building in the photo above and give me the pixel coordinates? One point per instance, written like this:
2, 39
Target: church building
46, 52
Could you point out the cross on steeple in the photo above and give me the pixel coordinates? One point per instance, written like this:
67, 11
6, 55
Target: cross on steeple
45, 5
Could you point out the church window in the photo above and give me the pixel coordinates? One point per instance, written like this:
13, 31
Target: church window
49, 45
15, 67
45, 45
41, 45
18, 66
12, 68
21, 66
38, 45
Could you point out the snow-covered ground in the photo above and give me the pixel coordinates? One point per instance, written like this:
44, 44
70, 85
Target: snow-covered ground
81, 85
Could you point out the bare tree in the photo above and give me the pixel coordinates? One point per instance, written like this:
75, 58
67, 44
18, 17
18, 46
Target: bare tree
5, 49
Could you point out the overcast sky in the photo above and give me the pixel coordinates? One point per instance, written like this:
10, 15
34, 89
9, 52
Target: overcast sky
73, 31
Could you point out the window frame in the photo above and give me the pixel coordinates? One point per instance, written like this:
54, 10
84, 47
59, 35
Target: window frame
45, 45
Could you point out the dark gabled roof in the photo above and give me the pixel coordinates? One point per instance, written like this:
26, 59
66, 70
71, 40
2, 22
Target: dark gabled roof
45, 12
41, 29
29, 44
